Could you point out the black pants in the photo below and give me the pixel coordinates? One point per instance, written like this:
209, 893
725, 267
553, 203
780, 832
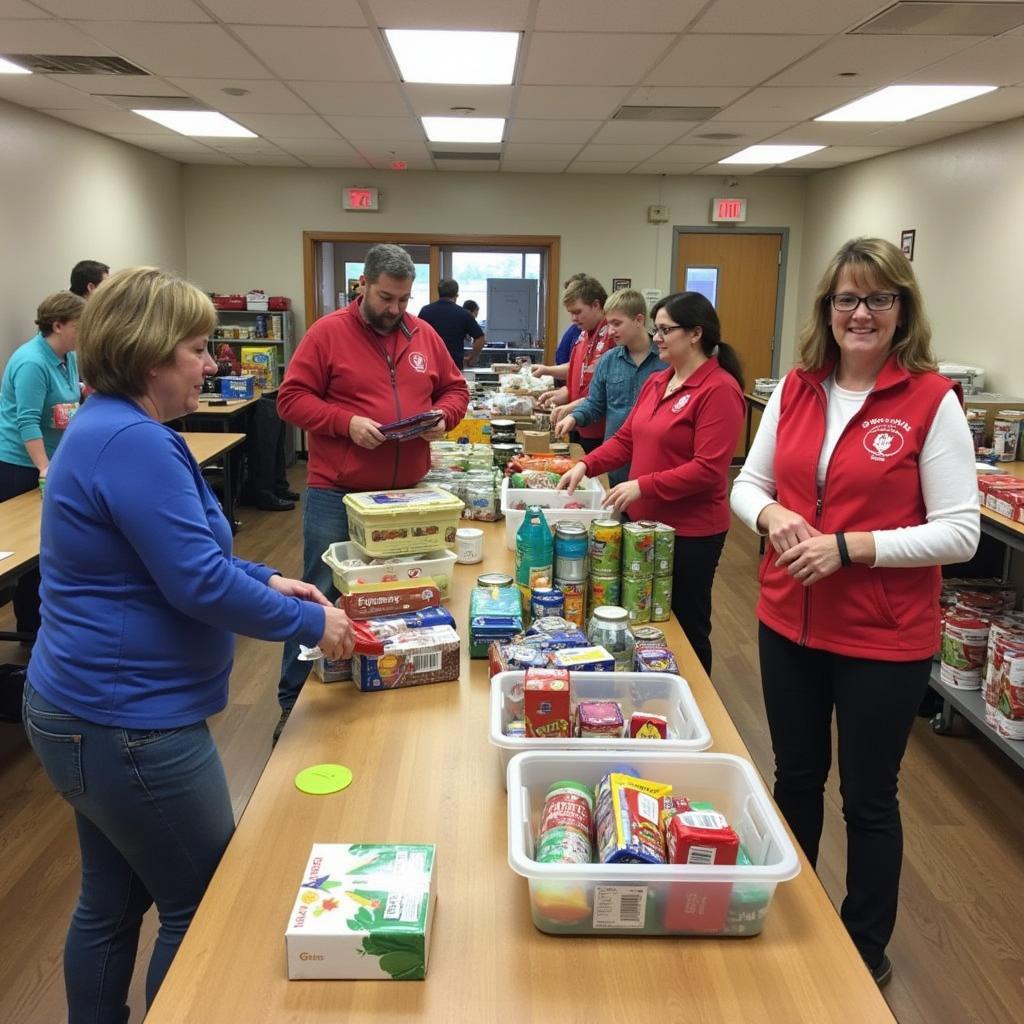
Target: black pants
875, 704
696, 559
264, 452
15, 480
588, 444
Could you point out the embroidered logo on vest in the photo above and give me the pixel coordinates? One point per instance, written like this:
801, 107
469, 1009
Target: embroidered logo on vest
418, 362
884, 437
680, 403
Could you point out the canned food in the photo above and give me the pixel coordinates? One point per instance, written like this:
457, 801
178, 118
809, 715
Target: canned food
964, 646
664, 549
504, 452
1006, 434
649, 635
604, 590
494, 579
605, 546
636, 597
574, 601
661, 599
503, 431
559, 447
638, 548
546, 601
571, 543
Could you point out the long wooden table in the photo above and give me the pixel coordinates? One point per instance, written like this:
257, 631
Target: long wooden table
425, 772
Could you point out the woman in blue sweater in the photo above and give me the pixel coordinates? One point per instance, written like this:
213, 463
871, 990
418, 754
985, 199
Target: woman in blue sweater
140, 600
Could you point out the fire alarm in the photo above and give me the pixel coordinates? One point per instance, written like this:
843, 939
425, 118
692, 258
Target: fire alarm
657, 214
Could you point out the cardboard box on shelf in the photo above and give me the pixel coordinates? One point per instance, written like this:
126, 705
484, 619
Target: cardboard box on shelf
536, 442
237, 387
260, 361
256, 301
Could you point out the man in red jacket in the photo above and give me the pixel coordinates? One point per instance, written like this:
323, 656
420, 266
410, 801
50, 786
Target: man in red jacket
357, 368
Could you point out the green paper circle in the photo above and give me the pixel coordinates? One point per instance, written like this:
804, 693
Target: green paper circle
323, 778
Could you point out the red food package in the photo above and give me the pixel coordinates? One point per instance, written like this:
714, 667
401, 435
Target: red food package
372, 600
599, 718
547, 700
644, 726
546, 463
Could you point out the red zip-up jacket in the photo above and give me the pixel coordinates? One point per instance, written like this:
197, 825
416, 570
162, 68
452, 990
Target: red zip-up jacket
342, 368
589, 348
872, 483
679, 449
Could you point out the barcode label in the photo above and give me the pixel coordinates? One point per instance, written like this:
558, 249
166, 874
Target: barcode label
429, 662
701, 855
704, 819
393, 907
411, 903
620, 906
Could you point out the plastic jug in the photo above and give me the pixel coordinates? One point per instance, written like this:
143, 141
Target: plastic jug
534, 554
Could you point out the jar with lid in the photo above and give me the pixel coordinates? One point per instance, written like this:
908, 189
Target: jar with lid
609, 628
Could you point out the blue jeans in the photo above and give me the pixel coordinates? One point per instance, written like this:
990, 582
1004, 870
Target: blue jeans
153, 816
324, 522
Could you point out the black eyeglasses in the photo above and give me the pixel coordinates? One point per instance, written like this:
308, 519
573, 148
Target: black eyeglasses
666, 330
877, 302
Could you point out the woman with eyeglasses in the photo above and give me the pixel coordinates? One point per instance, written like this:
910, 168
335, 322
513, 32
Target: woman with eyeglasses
862, 479
679, 441
38, 396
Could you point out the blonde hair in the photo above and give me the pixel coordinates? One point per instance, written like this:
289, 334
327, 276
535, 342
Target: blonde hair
628, 301
586, 289
59, 308
873, 263
133, 322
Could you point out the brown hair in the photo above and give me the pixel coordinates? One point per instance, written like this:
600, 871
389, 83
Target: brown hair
873, 262
59, 308
133, 322
584, 289
628, 301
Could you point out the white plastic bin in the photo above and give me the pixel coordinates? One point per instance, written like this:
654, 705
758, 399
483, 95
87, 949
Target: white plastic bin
651, 899
660, 693
553, 504
438, 565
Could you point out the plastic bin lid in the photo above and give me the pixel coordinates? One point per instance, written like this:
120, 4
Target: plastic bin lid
414, 499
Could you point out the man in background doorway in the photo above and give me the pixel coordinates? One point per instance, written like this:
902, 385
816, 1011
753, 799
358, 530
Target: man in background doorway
454, 323
87, 276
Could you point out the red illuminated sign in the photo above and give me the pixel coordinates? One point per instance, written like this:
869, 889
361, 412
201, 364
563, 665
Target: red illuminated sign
358, 198
728, 209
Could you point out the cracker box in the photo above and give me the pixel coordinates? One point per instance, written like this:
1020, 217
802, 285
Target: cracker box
332, 670
260, 362
584, 659
237, 387
373, 600
363, 911
547, 703
411, 658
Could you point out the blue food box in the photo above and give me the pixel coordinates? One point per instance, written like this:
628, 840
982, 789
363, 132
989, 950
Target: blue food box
237, 387
583, 659
495, 613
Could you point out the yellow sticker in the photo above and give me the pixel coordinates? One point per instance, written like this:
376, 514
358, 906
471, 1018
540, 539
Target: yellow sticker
323, 778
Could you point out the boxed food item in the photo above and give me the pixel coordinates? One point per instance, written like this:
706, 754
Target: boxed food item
584, 659
363, 911
547, 703
471, 430
599, 718
411, 658
372, 600
260, 362
403, 522
237, 387
234, 302
536, 442
495, 613
331, 670
256, 301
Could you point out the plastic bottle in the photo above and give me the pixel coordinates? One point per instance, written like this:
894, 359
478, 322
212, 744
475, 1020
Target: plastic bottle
534, 554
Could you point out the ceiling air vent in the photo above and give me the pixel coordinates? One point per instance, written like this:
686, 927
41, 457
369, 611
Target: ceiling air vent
914, 18
441, 154
719, 136
640, 113
47, 64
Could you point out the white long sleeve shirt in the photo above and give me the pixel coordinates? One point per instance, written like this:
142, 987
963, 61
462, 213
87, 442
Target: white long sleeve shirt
949, 482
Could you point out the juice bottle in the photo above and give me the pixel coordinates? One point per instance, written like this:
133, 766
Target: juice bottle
534, 555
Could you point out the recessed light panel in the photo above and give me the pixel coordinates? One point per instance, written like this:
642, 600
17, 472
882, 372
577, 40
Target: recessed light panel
903, 102
200, 123
454, 58
9, 68
769, 154
464, 129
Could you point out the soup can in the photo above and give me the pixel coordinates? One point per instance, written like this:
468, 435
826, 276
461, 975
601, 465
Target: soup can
636, 597
546, 601
605, 546
661, 599
664, 549
574, 601
604, 590
638, 548
571, 543
494, 579
964, 646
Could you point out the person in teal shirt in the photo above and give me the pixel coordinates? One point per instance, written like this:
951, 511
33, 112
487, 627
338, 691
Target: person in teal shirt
39, 394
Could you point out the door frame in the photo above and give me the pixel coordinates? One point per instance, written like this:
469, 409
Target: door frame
780, 282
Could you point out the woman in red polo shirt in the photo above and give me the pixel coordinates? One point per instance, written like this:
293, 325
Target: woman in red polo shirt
679, 442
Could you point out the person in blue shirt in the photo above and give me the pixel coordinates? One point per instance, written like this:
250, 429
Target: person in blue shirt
619, 375
39, 394
141, 597
454, 323
566, 343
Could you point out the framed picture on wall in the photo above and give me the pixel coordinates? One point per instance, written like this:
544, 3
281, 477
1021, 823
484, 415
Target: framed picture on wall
618, 283
907, 243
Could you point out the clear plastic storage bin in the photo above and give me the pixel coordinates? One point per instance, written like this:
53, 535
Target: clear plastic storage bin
402, 522
659, 693
553, 504
438, 565
651, 899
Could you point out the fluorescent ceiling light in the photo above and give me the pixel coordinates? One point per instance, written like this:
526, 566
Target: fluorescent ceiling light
454, 58
199, 123
769, 154
10, 68
902, 102
464, 129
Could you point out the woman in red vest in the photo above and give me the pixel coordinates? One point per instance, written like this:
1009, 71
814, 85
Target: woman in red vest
862, 479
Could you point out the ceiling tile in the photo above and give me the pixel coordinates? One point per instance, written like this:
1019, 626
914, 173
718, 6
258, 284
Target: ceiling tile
659, 166
589, 58
877, 60
273, 12
772, 104
603, 167
533, 166
316, 147
194, 51
489, 100
828, 133
729, 60
992, 62
117, 85
521, 129
544, 101
385, 129
532, 151
614, 154
686, 96
207, 157
452, 14
641, 131
122, 121
352, 161
170, 142
1000, 105
126, 10
270, 160
691, 154
795, 17
292, 126
326, 54
732, 170
614, 16
371, 99
833, 156
242, 147
914, 133
478, 166
378, 152
20, 9
40, 91
48, 36
747, 132
264, 96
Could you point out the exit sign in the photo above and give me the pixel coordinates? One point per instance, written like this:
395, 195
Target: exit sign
358, 197
729, 210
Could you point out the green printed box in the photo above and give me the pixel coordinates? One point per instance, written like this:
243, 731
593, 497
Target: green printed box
363, 911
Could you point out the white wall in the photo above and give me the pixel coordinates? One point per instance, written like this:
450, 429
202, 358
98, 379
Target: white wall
244, 227
964, 196
68, 194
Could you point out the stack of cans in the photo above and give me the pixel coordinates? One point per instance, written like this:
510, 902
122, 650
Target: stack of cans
571, 545
638, 569
605, 585
661, 588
